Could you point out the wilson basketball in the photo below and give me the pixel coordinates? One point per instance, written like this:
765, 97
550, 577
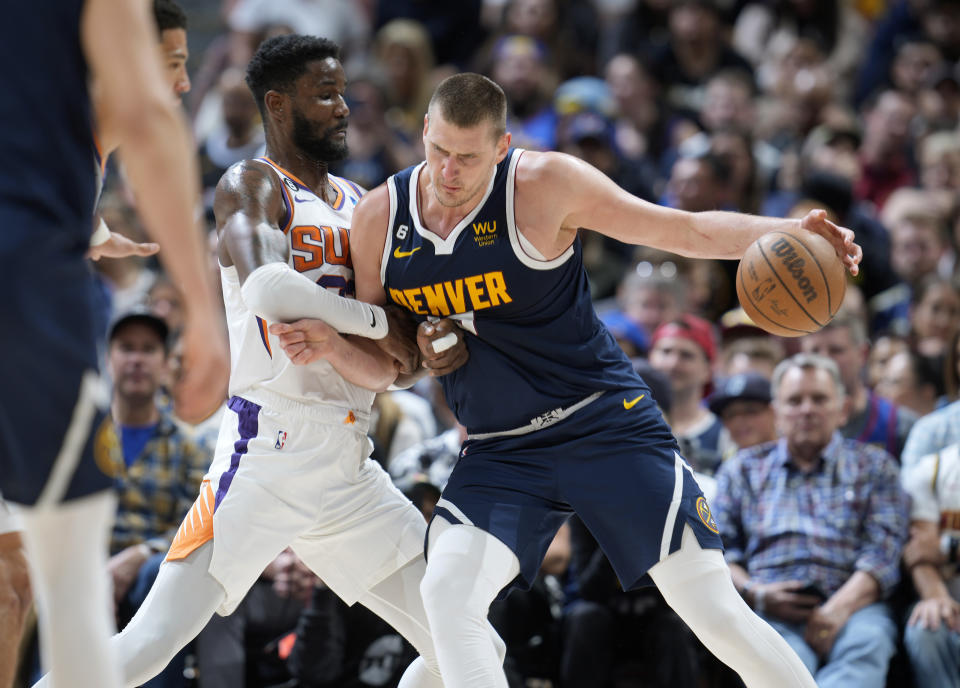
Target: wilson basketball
791, 284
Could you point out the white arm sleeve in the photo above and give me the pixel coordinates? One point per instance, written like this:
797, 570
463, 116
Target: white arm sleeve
101, 234
278, 293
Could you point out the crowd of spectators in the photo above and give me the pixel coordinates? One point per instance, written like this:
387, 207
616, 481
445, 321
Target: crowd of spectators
832, 461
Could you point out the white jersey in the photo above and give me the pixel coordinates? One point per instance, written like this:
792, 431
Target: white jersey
933, 483
318, 235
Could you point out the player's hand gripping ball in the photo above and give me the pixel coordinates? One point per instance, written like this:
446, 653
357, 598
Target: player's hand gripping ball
791, 283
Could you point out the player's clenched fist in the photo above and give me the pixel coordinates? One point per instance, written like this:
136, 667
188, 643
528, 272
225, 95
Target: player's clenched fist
442, 346
305, 341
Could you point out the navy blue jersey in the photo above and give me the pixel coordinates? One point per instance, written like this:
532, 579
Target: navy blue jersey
48, 182
47, 194
536, 344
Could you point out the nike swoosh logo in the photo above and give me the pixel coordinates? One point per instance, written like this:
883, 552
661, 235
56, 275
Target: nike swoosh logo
373, 318
302, 200
630, 404
397, 253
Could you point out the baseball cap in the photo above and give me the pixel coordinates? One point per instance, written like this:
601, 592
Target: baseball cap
622, 327
516, 44
742, 387
588, 125
831, 134
584, 94
735, 323
140, 314
690, 327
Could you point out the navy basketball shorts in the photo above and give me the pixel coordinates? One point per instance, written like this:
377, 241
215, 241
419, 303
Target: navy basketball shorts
50, 397
613, 462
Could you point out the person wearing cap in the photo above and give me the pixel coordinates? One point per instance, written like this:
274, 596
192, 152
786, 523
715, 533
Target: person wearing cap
155, 467
684, 349
742, 402
813, 526
745, 348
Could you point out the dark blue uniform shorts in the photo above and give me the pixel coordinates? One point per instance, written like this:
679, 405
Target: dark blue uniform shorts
613, 462
47, 348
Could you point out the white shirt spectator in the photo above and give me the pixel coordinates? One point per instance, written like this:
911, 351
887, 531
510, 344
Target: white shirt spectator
933, 483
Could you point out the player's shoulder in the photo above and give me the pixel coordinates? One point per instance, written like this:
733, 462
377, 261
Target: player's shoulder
248, 172
247, 179
249, 186
543, 165
375, 202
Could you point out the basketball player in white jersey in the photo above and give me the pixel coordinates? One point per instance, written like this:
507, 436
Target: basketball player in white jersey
291, 466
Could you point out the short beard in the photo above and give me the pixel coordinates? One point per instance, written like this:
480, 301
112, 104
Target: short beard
321, 148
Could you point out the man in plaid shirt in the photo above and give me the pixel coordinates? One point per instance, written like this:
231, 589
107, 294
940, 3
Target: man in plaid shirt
156, 468
813, 526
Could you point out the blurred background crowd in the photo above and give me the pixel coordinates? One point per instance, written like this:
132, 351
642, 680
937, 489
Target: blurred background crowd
760, 106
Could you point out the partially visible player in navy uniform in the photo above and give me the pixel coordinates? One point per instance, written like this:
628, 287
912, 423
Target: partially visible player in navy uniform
48, 359
557, 420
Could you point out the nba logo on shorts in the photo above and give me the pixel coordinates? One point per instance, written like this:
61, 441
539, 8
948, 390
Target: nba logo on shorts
281, 439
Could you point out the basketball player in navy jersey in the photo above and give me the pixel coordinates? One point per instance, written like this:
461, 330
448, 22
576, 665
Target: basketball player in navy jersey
557, 420
171, 24
48, 362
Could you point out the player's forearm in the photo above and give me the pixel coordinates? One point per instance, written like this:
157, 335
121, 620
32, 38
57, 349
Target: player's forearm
408, 380
722, 235
360, 361
278, 293
159, 162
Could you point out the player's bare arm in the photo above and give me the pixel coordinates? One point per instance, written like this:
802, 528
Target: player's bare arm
413, 346
248, 208
160, 163
558, 193
368, 234
358, 360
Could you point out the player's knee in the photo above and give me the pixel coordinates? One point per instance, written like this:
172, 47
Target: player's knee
15, 591
10, 608
153, 642
448, 588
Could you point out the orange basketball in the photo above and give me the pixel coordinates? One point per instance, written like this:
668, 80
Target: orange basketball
791, 284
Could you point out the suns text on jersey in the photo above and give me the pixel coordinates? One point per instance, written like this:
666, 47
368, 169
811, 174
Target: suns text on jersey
461, 295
